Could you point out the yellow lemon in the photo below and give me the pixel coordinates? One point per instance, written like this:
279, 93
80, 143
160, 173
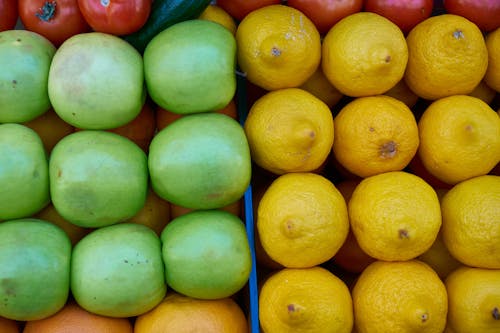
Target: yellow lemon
492, 75
219, 15
399, 297
375, 134
394, 215
473, 300
471, 221
364, 54
459, 138
447, 56
302, 220
278, 47
305, 300
289, 130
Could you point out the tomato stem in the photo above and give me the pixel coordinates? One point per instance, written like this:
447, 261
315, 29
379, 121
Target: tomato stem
47, 11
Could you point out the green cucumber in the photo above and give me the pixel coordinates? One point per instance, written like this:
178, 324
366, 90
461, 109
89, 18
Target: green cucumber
165, 13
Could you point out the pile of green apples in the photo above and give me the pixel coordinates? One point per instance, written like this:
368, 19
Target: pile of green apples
98, 179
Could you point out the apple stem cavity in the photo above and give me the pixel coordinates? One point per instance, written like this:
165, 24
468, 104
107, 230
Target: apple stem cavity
47, 11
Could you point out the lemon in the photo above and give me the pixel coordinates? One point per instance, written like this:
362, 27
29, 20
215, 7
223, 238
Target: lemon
278, 47
447, 56
399, 297
302, 220
300, 300
364, 54
394, 215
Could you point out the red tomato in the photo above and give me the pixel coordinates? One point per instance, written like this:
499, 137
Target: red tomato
238, 9
8, 14
116, 17
404, 13
484, 13
55, 20
325, 13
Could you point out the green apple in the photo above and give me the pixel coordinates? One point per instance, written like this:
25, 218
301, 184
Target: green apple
190, 67
34, 269
96, 81
97, 178
25, 59
117, 271
24, 176
206, 254
200, 161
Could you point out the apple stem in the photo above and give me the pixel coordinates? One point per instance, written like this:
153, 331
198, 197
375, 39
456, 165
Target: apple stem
47, 11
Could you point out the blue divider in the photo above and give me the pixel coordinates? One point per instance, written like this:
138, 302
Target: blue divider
249, 222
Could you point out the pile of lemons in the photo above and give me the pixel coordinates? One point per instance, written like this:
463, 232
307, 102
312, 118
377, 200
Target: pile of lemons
412, 206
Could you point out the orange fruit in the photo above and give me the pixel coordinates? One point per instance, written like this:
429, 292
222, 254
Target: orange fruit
474, 300
459, 138
233, 208
351, 256
277, 47
399, 297
471, 213
318, 85
289, 130
74, 232
484, 92
364, 54
439, 258
8, 325
394, 215
402, 92
492, 75
155, 213
305, 300
73, 318
302, 220
447, 56
217, 14
417, 168
375, 134
182, 314
50, 127
165, 117
141, 129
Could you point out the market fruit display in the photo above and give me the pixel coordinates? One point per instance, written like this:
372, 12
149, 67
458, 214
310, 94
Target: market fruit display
247, 166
